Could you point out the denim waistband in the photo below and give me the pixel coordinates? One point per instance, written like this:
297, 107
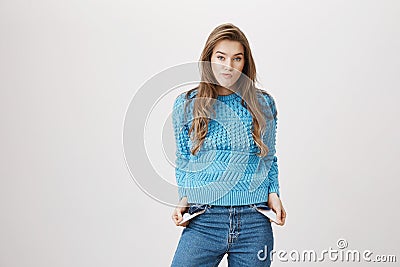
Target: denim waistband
195, 207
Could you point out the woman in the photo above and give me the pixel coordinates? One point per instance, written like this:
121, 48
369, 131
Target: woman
226, 166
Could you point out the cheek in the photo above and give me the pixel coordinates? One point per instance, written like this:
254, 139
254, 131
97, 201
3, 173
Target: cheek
240, 66
239, 69
216, 68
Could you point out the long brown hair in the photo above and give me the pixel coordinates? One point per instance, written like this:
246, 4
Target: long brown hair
207, 89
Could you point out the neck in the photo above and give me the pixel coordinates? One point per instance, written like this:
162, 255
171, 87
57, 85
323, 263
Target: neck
224, 91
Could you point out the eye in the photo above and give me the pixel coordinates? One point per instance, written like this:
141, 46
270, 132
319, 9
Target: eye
220, 57
237, 59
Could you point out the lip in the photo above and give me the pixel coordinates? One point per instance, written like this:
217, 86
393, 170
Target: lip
227, 75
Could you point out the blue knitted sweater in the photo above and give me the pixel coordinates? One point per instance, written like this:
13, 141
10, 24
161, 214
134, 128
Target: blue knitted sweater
226, 170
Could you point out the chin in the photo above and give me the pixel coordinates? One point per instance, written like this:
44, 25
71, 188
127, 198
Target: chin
224, 85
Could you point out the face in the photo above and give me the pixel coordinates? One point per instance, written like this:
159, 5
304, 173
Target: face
227, 62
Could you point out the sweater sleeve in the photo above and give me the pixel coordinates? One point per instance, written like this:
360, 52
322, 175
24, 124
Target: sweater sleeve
181, 133
273, 171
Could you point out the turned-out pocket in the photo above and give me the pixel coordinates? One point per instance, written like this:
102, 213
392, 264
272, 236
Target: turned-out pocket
194, 211
265, 210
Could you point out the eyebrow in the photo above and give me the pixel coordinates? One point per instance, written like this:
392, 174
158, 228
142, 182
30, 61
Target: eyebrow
225, 53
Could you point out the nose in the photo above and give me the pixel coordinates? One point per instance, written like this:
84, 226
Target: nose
229, 65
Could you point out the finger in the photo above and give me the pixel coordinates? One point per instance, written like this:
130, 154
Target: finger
175, 218
279, 216
179, 216
283, 216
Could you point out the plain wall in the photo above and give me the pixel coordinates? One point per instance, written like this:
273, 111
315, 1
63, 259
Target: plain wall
69, 70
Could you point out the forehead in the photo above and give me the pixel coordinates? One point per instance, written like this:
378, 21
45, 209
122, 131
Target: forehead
229, 47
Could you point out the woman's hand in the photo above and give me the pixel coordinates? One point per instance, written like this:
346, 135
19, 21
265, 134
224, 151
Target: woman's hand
180, 209
276, 205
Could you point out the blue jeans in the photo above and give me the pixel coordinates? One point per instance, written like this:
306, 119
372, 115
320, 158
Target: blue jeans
240, 231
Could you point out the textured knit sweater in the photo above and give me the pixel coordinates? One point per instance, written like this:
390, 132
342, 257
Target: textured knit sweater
226, 170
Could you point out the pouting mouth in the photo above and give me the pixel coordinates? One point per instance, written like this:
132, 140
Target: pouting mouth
227, 75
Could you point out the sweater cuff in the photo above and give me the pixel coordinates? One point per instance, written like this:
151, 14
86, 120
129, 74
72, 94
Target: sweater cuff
274, 188
181, 192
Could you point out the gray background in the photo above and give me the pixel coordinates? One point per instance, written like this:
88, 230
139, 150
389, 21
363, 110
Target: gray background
69, 69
